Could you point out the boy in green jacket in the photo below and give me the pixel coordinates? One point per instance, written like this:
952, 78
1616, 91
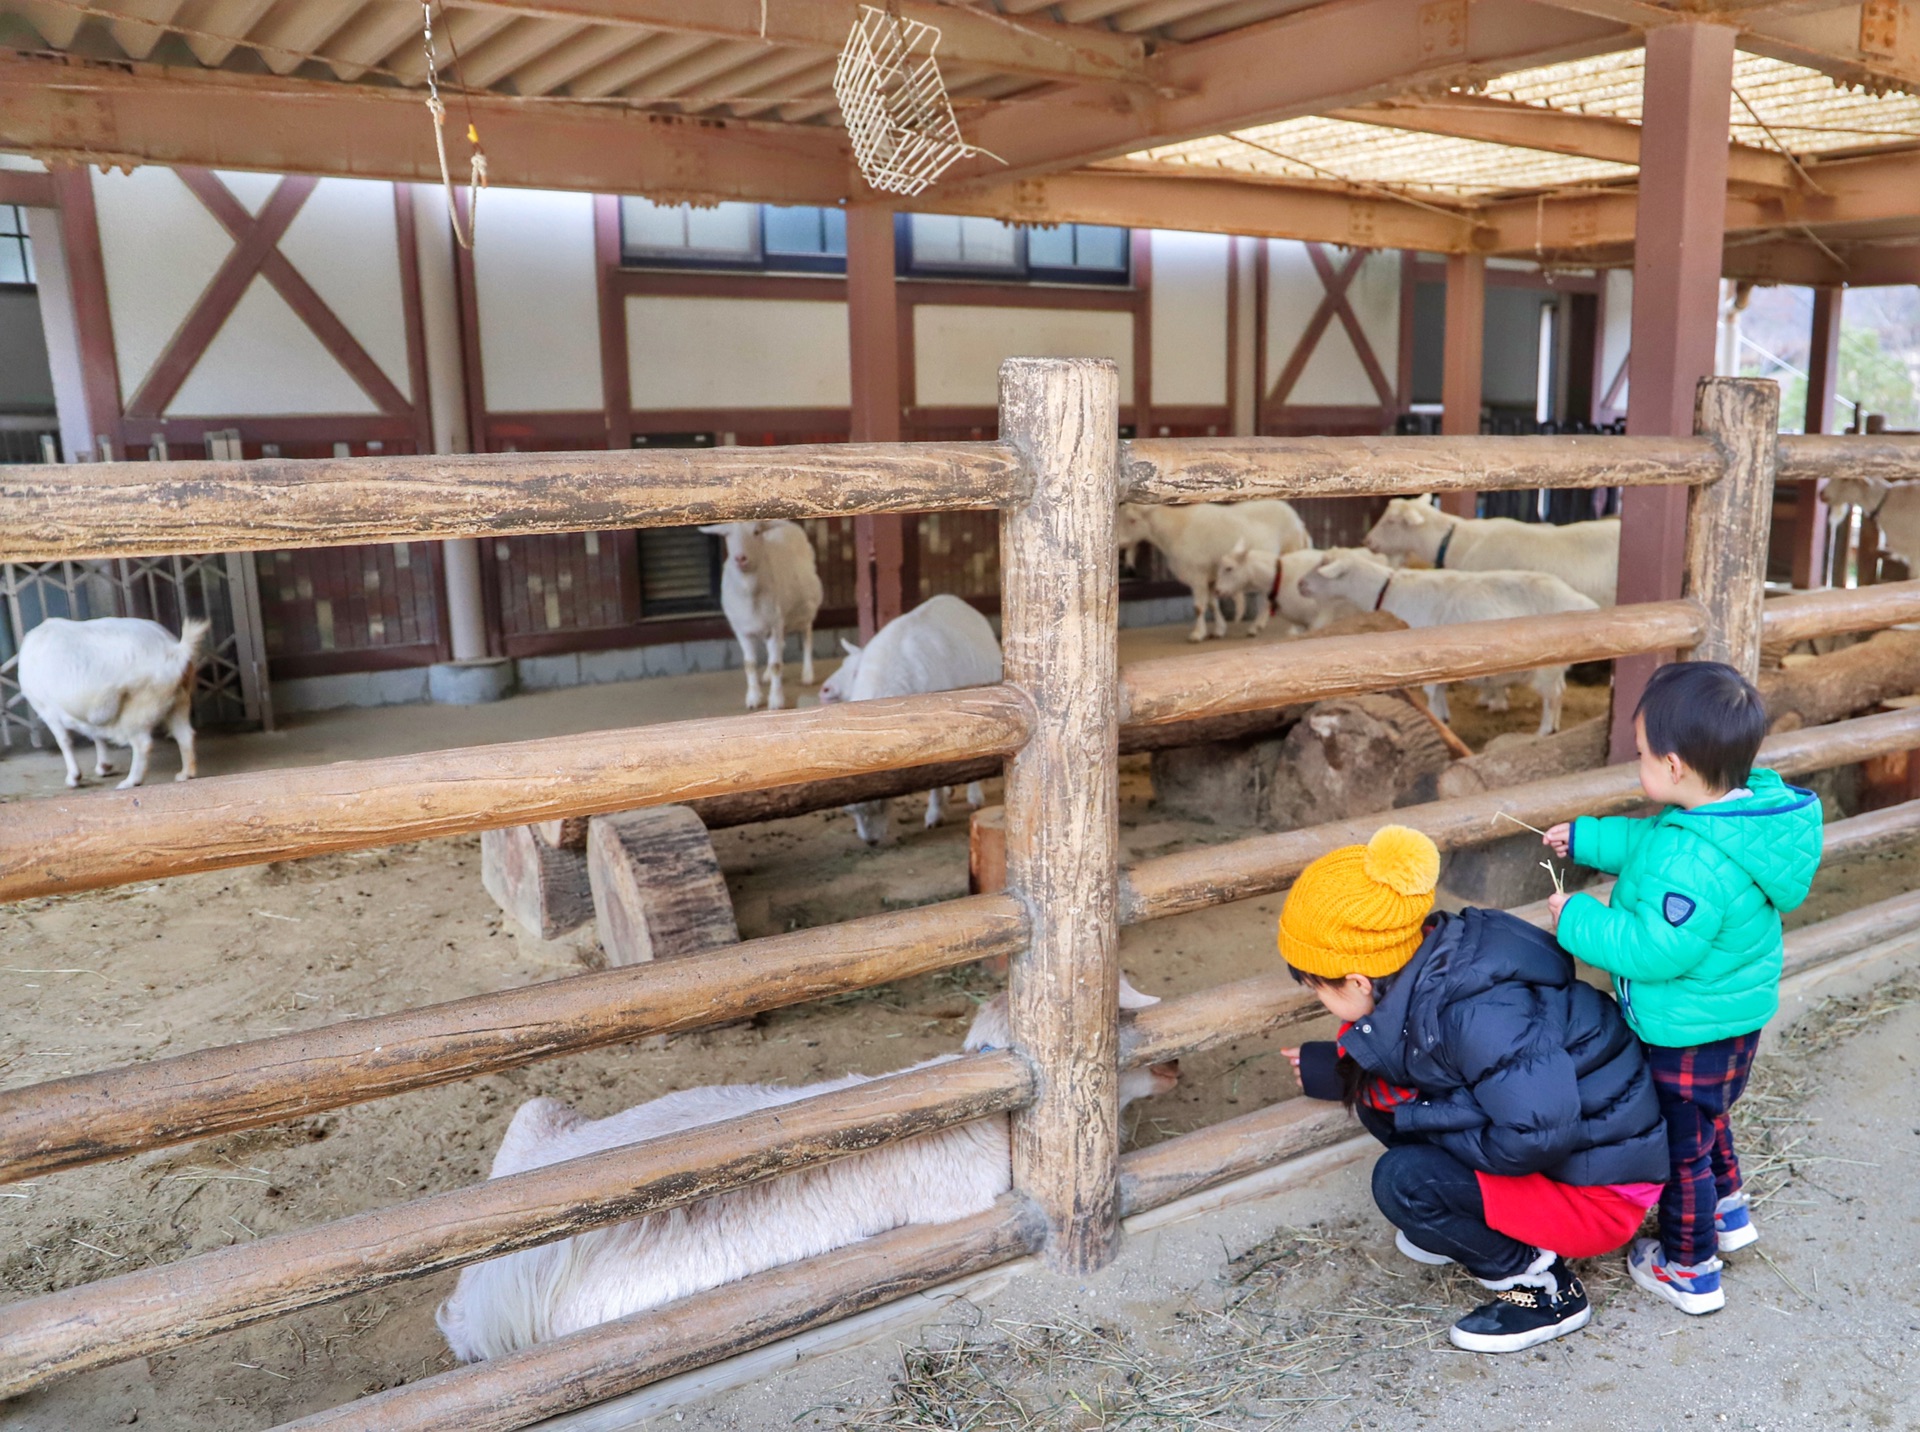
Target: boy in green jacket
1692, 939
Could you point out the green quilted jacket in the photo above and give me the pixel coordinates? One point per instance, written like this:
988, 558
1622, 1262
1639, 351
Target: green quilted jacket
1692, 933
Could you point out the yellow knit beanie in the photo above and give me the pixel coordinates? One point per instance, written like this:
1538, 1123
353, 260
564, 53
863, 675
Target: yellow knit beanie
1358, 910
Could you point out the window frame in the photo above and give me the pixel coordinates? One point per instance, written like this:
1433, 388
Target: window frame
713, 262
23, 238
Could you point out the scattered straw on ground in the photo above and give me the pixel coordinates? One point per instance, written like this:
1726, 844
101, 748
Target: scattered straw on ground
1304, 1318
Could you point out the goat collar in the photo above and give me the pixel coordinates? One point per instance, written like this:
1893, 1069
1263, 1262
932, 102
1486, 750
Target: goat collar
1440, 557
1383, 590
1273, 592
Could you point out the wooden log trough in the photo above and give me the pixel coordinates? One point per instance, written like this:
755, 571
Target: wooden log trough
1061, 718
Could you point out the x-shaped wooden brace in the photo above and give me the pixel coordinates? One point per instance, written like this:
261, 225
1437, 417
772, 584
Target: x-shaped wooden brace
256, 253
1333, 304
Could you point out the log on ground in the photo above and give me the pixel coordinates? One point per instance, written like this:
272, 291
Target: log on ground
657, 889
543, 888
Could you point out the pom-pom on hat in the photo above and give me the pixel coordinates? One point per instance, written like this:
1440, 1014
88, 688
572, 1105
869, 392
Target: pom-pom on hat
1358, 910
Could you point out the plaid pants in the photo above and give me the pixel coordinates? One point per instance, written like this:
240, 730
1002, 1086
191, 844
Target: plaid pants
1698, 1087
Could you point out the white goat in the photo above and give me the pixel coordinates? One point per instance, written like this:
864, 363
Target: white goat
1273, 580
1584, 555
1196, 537
112, 679
1439, 598
540, 1293
940, 645
770, 586
1894, 507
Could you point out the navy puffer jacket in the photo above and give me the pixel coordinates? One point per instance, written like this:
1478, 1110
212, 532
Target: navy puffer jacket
1520, 1067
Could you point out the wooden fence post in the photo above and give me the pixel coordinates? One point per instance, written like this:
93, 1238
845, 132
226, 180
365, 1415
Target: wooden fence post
1059, 610
1728, 521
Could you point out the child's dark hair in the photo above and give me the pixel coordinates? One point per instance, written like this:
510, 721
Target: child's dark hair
1353, 1079
1708, 715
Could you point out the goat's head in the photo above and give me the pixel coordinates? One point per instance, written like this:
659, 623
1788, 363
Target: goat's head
873, 821
1410, 527
839, 686
746, 545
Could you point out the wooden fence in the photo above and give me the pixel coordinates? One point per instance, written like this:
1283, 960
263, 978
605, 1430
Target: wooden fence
1057, 723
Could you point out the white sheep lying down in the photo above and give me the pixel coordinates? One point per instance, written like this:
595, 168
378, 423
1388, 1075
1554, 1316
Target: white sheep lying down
540, 1293
1584, 555
769, 587
1427, 599
941, 645
1273, 580
112, 679
1195, 538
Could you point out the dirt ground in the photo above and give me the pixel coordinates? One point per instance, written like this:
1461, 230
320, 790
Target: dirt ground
93, 981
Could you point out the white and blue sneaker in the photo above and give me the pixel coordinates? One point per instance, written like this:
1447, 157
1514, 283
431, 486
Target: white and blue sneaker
1734, 1224
1695, 1290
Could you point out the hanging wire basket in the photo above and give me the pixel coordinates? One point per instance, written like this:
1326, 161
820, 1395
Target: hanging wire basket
895, 103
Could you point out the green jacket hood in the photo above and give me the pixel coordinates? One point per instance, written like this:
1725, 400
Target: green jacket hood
1773, 834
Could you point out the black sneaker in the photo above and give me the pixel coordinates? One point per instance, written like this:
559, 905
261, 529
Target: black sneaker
1539, 1310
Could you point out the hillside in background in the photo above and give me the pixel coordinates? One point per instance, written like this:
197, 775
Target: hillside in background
1879, 352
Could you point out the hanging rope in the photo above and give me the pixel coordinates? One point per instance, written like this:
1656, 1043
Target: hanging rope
476, 162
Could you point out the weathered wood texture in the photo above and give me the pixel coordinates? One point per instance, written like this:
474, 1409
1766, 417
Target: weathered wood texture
1853, 679
1230, 469
1805, 615
141, 1313
82, 1119
1059, 604
1232, 1149
1889, 457
1811, 946
987, 851
158, 508
657, 889
1217, 683
1842, 840
597, 1363
542, 887
83, 841
568, 833
1260, 865
1189, 1023
1515, 760
1728, 520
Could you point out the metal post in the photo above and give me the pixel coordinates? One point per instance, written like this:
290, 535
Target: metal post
1463, 361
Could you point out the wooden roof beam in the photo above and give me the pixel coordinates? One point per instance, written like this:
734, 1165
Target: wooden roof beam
1303, 63
1165, 196
1024, 46
1553, 131
105, 114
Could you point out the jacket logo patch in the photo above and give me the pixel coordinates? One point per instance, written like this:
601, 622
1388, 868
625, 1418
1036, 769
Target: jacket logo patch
1678, 909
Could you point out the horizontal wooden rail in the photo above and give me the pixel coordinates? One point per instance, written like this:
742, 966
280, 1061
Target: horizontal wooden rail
1217, 683
1816, 455
1232, 469
138, 1314
1839, 609
598, 1363
1243, 869
86, 1118
126, 509
1186, 1024
1842, 840
1812, 946
86, 840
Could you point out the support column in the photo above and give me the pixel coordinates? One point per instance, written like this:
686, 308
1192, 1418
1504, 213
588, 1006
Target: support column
1679, 228
1243, 334
1464, 357
447, 408
1810, 536
873, 348
62, 327
1060, 605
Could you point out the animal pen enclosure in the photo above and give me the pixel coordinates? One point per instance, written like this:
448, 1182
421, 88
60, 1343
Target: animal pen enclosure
1058, 720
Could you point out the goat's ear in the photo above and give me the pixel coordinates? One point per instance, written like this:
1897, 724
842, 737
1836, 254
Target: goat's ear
1239, 548
716, 529
756, 528
1131, 998
848, 647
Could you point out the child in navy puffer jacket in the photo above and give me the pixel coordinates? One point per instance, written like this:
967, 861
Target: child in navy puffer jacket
1521, 1124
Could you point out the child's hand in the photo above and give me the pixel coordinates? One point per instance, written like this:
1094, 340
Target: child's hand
1293, 1058
1560, 837
1558, 902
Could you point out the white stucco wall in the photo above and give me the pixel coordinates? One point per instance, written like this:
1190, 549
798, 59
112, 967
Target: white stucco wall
737, 352
533, 265
957, 349
1189, 304
1334, 375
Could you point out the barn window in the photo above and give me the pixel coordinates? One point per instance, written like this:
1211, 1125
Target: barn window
16, 255
720, 233
943, 245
